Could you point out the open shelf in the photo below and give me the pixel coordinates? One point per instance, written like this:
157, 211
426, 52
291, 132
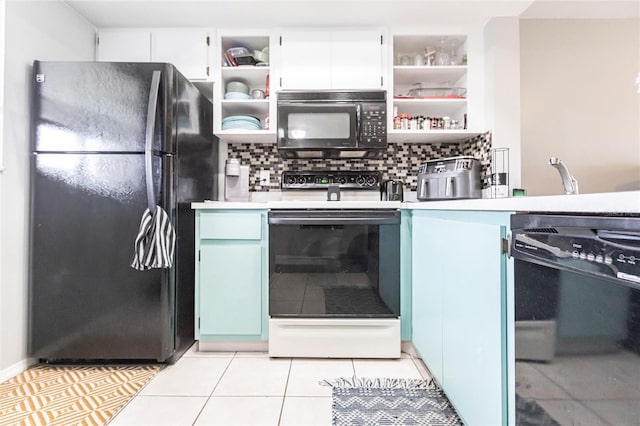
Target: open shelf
247, 136
431, 136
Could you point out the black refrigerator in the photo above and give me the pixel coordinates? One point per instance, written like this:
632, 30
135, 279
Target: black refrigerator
108, 140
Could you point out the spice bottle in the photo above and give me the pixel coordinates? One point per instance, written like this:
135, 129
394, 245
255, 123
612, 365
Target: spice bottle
404, 121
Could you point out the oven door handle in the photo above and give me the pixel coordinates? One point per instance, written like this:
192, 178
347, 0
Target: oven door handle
334, 218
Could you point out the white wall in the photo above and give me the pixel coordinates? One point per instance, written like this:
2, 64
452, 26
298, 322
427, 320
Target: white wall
44, 30
502, 88
579, 103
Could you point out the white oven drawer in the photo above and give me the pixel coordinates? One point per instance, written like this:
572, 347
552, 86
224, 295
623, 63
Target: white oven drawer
334, 338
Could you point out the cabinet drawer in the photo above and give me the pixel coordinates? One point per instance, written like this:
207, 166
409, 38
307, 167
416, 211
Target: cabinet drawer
231, 226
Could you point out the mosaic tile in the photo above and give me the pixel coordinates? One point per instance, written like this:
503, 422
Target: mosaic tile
400, 161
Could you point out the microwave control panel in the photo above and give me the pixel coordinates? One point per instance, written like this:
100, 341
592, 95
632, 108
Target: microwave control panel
374, 122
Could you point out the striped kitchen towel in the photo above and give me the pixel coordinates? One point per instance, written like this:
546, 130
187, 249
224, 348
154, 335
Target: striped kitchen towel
155, 243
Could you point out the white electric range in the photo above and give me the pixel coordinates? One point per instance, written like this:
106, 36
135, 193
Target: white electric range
334, 268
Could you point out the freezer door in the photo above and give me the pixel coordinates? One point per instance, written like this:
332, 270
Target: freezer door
86, 302
100, 107
197, 147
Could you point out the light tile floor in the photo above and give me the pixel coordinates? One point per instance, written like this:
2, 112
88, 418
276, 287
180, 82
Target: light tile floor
249, 388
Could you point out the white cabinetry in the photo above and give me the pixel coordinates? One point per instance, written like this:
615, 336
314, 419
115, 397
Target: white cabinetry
437, 65
255, 77
188, 50
332, 59
124, 46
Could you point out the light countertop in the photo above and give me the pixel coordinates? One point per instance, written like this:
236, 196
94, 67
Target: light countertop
612, 202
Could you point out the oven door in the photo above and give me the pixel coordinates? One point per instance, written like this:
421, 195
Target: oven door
334, 264
577, 321
317, 125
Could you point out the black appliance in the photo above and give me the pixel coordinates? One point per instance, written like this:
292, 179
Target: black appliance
392, 190
334, 263
332, 123
319, 180
92, 126
577, 318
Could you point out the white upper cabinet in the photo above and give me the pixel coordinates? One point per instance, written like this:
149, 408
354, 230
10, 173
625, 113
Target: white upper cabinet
306, 60
332, 59
124, 46
188, 50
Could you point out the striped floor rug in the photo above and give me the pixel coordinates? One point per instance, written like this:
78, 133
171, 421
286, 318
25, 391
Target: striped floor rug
70, 395
382, 401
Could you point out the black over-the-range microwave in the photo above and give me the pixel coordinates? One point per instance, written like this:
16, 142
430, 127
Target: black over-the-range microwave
332, 123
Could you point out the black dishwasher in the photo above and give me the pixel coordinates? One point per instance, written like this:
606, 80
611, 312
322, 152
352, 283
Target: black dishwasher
577, 319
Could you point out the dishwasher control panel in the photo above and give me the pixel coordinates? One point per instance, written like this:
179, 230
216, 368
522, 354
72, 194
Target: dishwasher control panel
581, 246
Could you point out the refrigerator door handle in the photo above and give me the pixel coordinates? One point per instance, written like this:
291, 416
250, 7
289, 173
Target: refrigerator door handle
149, 136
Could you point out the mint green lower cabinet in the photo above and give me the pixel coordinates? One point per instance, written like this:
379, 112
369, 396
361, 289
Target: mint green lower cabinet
231, 295
427, 277
231, 275
459, 278
405, 276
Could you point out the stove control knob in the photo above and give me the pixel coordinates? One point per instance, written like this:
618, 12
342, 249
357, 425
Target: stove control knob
342, 181
291, 180
302, 179
371, 181
360, 180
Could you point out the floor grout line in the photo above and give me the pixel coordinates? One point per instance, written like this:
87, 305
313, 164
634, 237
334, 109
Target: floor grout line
213, 390
284, 396
199, 414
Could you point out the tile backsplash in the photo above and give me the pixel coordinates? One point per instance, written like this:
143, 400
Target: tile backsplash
401, 161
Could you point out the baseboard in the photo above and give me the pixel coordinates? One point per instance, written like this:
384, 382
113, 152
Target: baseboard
233, 345
16, 368
408, 348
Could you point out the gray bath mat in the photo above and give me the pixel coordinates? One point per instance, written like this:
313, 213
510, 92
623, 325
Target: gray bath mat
379, 401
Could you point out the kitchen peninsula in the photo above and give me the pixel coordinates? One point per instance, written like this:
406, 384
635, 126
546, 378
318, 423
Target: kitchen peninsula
435, 237
612, 202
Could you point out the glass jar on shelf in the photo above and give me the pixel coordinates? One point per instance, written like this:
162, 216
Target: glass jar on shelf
442, 57
453, 57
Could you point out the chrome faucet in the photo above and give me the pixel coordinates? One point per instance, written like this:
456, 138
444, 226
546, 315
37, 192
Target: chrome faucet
569, 183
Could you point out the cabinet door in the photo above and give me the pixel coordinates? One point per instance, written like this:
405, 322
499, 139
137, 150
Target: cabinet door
427, 278
306, 60
231, 288
124, 46
187, 50
472, 320
460, 308
356, 59
331, 59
